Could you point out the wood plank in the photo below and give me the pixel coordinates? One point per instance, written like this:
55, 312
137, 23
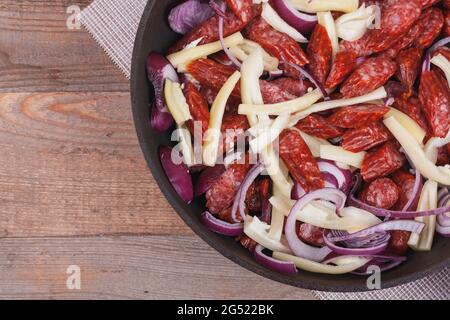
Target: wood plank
71, 165
156, 267
39, 53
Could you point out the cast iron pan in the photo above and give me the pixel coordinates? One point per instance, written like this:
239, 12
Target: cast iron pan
155, 35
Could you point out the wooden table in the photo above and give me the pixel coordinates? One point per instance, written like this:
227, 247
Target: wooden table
74, 187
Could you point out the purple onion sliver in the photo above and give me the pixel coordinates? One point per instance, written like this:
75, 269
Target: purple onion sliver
178, 175
352, 201
330, 180
222, 42
442, 192
443, 196
160, 118
248, 180
188, 15
338, 233
207, 178
401, 225
383, 260
357, 181
415, 192
219, 9
426, 66
362, 251
310, 77
240, 195
298, 247
343, 176
220, 226
388, 265
443, 231
389, 101
363, 242
444, 219
385, 263
297, 191
437, 45
303, 22
158, 70
368, 241
284, 267
444, 201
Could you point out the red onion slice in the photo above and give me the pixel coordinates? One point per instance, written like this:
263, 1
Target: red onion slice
284, 267
362, 251
220, 226
369, 241
222, 42
343, 176
418, 183
444, 219
178, 174
188, 15
384, 261
304, 23
297, 191
444, 201
310, 77
239, 200
443, 231
438, 44
158, 70
365, 242
352, 201
218, 7
401, 225
443, 193
330, 180
426, 66
298, 247
207, 178
357, 181
389, 101
249, 179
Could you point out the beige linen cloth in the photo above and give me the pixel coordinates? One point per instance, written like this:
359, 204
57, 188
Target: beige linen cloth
114, 23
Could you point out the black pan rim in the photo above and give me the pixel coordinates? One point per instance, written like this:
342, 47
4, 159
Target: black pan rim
205, 234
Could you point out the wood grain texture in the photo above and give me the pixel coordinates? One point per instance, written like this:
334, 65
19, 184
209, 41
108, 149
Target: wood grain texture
39, 53
71, 165
156, 267
74, 184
